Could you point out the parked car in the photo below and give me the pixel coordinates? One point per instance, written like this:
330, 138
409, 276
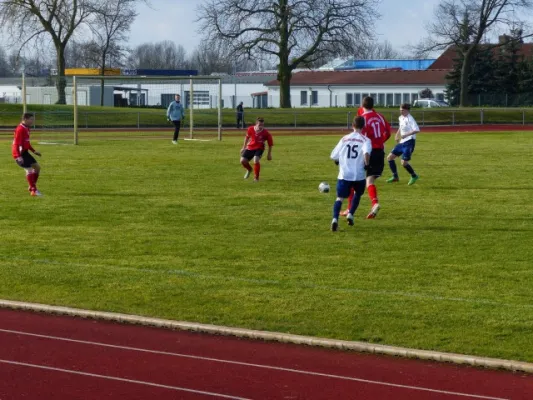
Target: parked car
430, 103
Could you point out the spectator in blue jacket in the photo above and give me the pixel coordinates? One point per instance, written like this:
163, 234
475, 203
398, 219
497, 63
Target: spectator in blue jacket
176, 114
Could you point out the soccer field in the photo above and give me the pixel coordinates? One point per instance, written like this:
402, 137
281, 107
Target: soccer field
144, 227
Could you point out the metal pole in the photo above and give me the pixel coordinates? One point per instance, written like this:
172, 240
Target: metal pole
220, 110
24, 105
191, 102
75, 108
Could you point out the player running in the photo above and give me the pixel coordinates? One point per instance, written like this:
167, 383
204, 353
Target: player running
21, 153
378, 130
254, 146
352, 155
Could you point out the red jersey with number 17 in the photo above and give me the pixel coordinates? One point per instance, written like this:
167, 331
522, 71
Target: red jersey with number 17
21, 141
258, 139
377, 129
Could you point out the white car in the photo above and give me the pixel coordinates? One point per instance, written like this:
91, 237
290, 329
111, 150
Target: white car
430, 103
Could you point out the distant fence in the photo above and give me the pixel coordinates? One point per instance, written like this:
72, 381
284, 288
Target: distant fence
139, 119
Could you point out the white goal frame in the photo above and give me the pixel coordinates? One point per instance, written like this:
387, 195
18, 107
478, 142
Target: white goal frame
192, 79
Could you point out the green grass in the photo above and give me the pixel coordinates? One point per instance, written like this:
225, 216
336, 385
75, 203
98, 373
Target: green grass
54, 116
144, 227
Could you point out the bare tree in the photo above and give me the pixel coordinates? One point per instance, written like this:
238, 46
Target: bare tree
161, 55
5, 70
465, 24
110, 26
208, 59
59, 19
293, 32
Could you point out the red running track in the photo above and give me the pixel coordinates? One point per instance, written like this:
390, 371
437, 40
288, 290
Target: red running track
55, 357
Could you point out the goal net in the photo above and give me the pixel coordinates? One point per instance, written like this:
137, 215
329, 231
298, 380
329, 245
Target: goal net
126, 106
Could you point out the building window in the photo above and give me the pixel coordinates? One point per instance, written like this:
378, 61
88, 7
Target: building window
414, 96
303, 98
357, 99
397, 99
381, 99
349, 99
406, 98
390, 99
314, 97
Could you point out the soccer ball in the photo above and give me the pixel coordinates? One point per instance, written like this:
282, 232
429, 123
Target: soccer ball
323, 187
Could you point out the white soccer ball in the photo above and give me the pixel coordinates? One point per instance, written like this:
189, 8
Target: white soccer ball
323, 187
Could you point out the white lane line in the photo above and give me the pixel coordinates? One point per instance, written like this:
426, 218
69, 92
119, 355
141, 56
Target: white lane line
114, 378
347, 378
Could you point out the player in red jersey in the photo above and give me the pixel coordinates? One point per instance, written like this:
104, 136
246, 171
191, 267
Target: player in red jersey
254, 146
377, 129
21, 153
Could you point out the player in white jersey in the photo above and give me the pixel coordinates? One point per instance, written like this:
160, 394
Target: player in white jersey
406, 139
352, 155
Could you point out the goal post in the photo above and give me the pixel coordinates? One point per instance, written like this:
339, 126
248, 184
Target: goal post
139, 104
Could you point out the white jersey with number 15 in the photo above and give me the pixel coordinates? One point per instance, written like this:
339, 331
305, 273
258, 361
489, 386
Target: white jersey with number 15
350, 153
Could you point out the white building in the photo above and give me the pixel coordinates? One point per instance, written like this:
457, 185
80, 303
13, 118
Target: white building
389, 87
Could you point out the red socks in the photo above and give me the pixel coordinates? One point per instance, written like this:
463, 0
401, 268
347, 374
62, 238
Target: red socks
373, 194
257, 168
32, 179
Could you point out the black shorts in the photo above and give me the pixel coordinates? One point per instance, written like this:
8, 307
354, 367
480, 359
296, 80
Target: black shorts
28, 160
249, 154
377, 163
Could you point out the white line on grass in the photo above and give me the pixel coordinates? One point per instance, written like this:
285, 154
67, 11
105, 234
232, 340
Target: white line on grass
282, 283
262, 366
114, 378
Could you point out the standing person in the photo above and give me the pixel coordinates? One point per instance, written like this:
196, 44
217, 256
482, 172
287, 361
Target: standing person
377, 129
352, 155
254, 146
176, 114
240, 116
405, 137
21, 153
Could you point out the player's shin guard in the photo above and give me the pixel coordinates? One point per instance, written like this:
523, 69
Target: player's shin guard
393, 168
410, 169
337, 208
373, 194
355, 203
30, 177
246, 165
257, 169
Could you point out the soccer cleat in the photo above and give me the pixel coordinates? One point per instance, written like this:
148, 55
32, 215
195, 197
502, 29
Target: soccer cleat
349, 219
334, 225
35, 193
413, 180
345, 212
247, 174
393, 179
373, 211
174, 142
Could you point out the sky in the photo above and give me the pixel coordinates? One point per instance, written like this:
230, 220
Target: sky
402, 23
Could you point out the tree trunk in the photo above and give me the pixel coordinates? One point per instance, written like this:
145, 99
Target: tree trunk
284, 78
465, 71
61, 82
284, 68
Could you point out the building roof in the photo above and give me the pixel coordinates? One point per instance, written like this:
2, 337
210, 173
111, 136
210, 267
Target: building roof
446, 59
383, 64
361, 77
